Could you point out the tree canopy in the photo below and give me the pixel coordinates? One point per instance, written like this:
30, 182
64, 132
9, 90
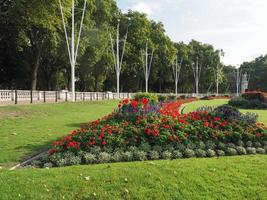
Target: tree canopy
33, 51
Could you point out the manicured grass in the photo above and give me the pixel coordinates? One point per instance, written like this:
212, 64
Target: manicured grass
239, 177
217, 102
24, 130
196, 104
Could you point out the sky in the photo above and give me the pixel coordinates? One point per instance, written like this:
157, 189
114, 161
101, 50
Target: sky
239, 27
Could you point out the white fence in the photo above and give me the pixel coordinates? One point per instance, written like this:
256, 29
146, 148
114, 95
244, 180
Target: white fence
28, 96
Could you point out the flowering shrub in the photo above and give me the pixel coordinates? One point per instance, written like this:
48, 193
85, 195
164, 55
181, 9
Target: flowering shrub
250, 100
140, 130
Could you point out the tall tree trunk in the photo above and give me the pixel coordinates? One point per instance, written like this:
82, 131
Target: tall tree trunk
36, 66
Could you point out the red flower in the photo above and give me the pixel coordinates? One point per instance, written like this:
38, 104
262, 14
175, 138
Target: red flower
126, 101
74, 132
171, 138
134, 103
258, 135
104, 142
145, 101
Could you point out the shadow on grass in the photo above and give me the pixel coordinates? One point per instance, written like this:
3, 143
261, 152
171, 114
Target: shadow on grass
76, 125
31, 150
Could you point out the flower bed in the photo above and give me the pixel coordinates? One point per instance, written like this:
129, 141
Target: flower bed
141, 130
250, 100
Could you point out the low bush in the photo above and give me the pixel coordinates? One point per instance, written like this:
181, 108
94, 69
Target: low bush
211, 153
153, 98
255, 95
251, 150
250, 100
162, 98
227, 112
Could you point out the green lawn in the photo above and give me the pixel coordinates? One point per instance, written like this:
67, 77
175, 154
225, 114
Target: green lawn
217, 102
239, 177
24, 130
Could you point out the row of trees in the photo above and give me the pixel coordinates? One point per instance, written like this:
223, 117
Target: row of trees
33, 51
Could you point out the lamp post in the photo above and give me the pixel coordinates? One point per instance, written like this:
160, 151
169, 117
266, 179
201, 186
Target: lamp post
116, 54
147, 64
72, 48
237, 74
176, 69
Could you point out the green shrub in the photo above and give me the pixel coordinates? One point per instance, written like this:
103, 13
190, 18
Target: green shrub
260, 150
191, 145
200, 153
255, 95
249, 144
189, 153
181, 147
104, 157
89, 158
210, 153
152, 97
250, 118
61, 162
172, 97
127, 156
230, 151
145, 147
221, 145
48, 165
241, 150
240, 143
200, 145
208, 109
183, 96
133, 149
162, 98
251, 150
166, 155
95, 150
75, 160
117, 156
227, 112
177, 154
157, 148
210, 144
220, 152
140, 155
256, 144
239, 102
169, 147
231, 145
154, 155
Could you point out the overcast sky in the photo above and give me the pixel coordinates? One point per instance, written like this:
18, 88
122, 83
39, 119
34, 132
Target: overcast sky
239, 27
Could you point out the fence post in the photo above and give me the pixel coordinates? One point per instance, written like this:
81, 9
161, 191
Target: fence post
44, 97
113, 96
75, 96
83, 96
97, 96
31, 96
16, 97
56, 96
66, 96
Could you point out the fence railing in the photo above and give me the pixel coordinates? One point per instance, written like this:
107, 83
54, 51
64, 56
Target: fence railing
28, 96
